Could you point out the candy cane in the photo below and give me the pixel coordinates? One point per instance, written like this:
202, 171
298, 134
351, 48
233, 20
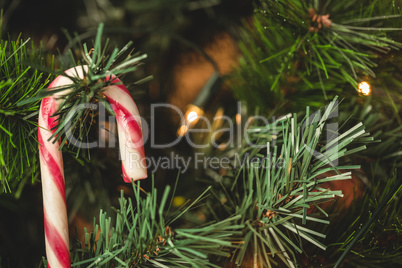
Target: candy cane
129, 130
51, 160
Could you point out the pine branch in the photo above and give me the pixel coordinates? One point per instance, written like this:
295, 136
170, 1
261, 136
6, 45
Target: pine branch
379, 245
294, 49
383, 202
18, 127
278, 187
377, 114
142, 236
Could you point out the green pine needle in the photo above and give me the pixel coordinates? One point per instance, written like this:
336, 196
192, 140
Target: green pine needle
18, 124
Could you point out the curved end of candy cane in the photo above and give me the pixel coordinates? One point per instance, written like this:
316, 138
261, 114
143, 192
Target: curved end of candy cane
129, 127
137, 174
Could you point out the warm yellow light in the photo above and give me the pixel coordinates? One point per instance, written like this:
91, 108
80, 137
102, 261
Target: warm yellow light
364, 88
238, 119
193, 113
178, 201
192, 116
182, 130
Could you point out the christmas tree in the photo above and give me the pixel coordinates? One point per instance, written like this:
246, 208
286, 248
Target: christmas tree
200, 133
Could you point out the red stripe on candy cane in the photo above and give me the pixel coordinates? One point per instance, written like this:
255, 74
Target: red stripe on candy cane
128, 124
56, 243
129, 132
48, 108
51, 164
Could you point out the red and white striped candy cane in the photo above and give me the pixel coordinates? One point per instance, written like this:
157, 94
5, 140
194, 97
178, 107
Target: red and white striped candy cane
129, 130
51, 160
